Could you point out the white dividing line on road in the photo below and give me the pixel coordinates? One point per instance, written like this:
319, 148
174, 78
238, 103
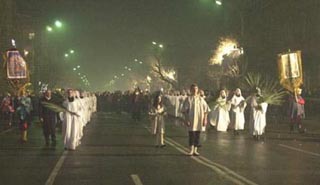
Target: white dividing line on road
299, 150
56, 169
217, 168
8, 130
136, 179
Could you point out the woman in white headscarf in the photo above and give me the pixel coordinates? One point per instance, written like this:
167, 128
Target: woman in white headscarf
238, 106
221, 112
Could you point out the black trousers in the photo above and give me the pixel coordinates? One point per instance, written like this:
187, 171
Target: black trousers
49, 129
194, 138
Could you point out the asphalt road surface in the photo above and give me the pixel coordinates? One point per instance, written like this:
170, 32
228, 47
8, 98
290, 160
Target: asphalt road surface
118, 151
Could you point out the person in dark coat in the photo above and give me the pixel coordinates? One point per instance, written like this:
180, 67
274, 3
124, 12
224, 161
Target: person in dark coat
48, 119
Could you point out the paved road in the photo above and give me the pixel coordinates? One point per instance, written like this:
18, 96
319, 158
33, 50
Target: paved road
116, 150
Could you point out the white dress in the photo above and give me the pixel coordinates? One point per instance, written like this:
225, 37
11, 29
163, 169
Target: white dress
158, 126
220, 116
70, 126
238, 107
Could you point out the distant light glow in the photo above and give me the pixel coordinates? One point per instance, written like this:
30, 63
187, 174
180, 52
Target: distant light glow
154, 43
218, 2
66, 55
49, 29
58, 24
78, 66
160, 45
72, 51
140, 62
13, 42
226, 46
74, 69
26, 52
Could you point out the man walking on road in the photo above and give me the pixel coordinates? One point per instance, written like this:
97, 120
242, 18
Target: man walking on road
195, 110
48, 119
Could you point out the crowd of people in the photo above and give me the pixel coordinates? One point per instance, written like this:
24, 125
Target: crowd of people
229, 111
72, 110
193, 107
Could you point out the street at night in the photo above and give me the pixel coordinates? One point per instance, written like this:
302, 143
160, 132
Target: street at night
117, 150
159, 92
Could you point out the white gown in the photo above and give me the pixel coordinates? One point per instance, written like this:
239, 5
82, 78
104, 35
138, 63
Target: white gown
238, 108
220, 115
70, 126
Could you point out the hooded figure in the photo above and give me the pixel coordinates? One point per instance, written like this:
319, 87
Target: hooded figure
238, 106
258, 114
220, 116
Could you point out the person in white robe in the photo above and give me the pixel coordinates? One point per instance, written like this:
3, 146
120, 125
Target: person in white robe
157, 113
220, 118
258, 117
70, 122
195, 110
238, 105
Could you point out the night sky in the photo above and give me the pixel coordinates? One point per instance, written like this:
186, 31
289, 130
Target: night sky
109, 34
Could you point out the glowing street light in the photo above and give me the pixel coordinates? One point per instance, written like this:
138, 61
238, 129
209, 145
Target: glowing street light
136, 60
78, 66
140, 62
74, 69
49, 29
71, 51
66, 55
160, 45
122, 74
58, 24
154, 43
219, 2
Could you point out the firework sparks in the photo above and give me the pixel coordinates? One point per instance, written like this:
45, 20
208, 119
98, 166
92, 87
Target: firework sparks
170, 74
227, 47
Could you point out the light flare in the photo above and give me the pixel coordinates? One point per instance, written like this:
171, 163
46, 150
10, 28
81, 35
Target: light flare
227, 46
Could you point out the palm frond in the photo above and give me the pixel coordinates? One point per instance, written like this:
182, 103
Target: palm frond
272, 92
54, 107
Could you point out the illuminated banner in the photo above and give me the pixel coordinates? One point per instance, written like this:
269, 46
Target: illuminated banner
290, 70
16, 65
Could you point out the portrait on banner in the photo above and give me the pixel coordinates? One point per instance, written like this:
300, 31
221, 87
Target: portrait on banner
16, 65
290, 65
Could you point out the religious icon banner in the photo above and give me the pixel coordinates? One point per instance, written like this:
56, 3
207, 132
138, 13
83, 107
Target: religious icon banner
16, 65
290, 70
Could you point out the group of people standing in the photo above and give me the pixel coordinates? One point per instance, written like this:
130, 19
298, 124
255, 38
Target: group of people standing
225, 113
77, 114
230, 113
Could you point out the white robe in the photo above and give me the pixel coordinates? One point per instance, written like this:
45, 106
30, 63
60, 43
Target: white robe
220, 115
238, 112
70, 126
195, 108
257, 117
158, 126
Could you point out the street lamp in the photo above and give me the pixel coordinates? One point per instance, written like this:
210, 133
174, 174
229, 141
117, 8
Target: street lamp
154, 43
71, 51
49, 29
74, 69
66, 55
160, 45
219, 2
78, 66
58, 24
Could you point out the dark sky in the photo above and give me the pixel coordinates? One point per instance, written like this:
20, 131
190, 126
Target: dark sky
109, 34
